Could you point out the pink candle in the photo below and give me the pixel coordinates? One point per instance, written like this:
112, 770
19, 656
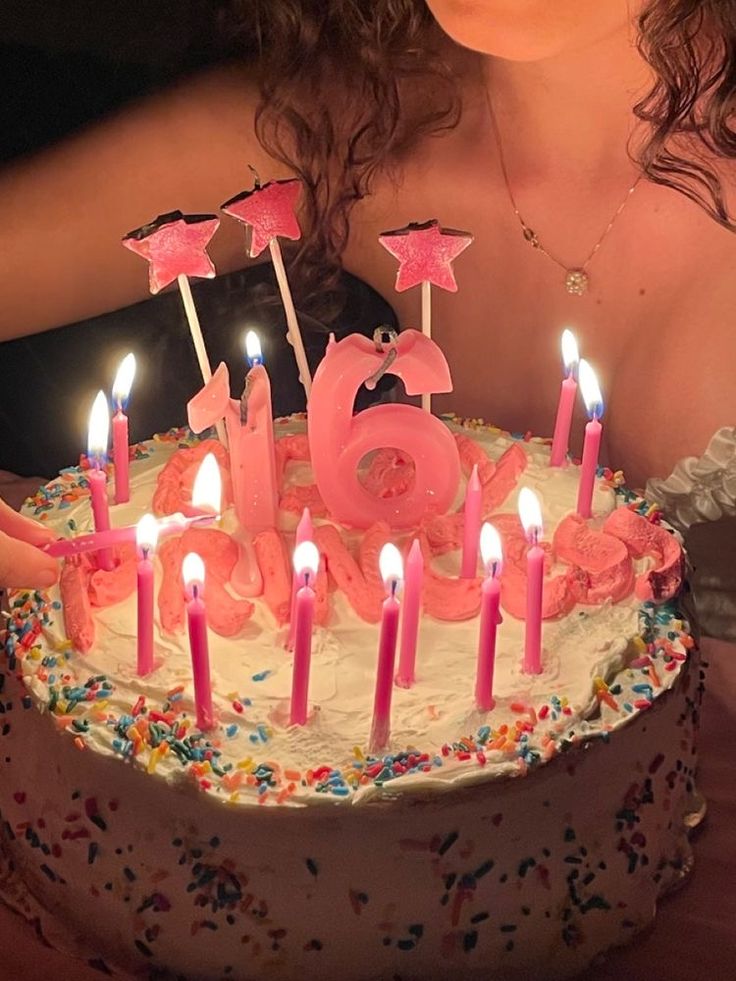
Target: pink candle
339, 439
306, 563
304, 533
206, 506
591, 447
97, 440
147, 536
120, 455
391, 573
249, 423
490, 545
471, 525
531, 518
568, 390
411, 609
193, 573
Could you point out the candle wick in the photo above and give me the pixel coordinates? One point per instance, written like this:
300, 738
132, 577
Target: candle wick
306, 575
144, 552
195, 591
394, 588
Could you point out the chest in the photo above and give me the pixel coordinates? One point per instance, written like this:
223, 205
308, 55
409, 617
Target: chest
651, 283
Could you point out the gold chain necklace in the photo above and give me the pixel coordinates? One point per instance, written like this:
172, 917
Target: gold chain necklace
577, 279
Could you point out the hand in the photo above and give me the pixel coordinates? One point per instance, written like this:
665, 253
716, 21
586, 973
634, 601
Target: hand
22, 563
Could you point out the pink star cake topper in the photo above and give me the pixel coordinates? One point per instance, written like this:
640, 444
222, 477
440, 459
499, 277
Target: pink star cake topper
174, 245
425, 252
269, 210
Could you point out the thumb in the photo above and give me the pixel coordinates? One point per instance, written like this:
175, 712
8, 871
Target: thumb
25, 565
18, 526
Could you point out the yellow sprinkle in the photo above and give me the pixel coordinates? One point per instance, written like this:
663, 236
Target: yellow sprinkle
153, 761
63, 645
234, 797
358, 753
640, 644
246, 764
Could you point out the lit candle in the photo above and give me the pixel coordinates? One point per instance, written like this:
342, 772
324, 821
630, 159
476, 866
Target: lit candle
568, 390
471, 525
492, 555
410, 610
249, 423
193, 575
593, 399
206, 505
120, 393
530, 514
391, 572
306, 563
97, 440
147, 536
304, 533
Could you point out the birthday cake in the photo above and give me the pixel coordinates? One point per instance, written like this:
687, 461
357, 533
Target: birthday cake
517, 842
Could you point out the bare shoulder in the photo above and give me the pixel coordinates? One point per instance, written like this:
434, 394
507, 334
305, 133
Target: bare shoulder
185, 148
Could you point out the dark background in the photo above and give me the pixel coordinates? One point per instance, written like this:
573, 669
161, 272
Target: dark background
64, 63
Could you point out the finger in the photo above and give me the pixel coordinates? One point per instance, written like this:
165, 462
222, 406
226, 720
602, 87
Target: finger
22, 564
18, 526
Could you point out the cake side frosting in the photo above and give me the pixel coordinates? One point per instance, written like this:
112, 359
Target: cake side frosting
524, 842
603, 664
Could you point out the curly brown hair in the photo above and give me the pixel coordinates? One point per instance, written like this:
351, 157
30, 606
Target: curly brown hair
367, 53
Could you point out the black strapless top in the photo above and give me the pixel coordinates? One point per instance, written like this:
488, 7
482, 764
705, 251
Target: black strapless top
50, 379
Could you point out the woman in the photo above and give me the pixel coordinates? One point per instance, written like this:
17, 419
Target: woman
559, 134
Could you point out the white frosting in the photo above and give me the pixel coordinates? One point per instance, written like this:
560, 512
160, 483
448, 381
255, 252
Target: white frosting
591, 642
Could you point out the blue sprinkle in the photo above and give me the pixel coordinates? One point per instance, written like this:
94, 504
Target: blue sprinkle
262, 675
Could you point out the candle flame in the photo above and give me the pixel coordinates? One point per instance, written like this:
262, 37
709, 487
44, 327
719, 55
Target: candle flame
192, 569
146, 532
123, 381
207, 490
570, 355
590, 390
253, 348
390, 564
530, 512
99, 429
306, 558
491, 550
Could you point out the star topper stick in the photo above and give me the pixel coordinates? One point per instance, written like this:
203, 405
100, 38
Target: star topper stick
175, 246
425, 252
269, 211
